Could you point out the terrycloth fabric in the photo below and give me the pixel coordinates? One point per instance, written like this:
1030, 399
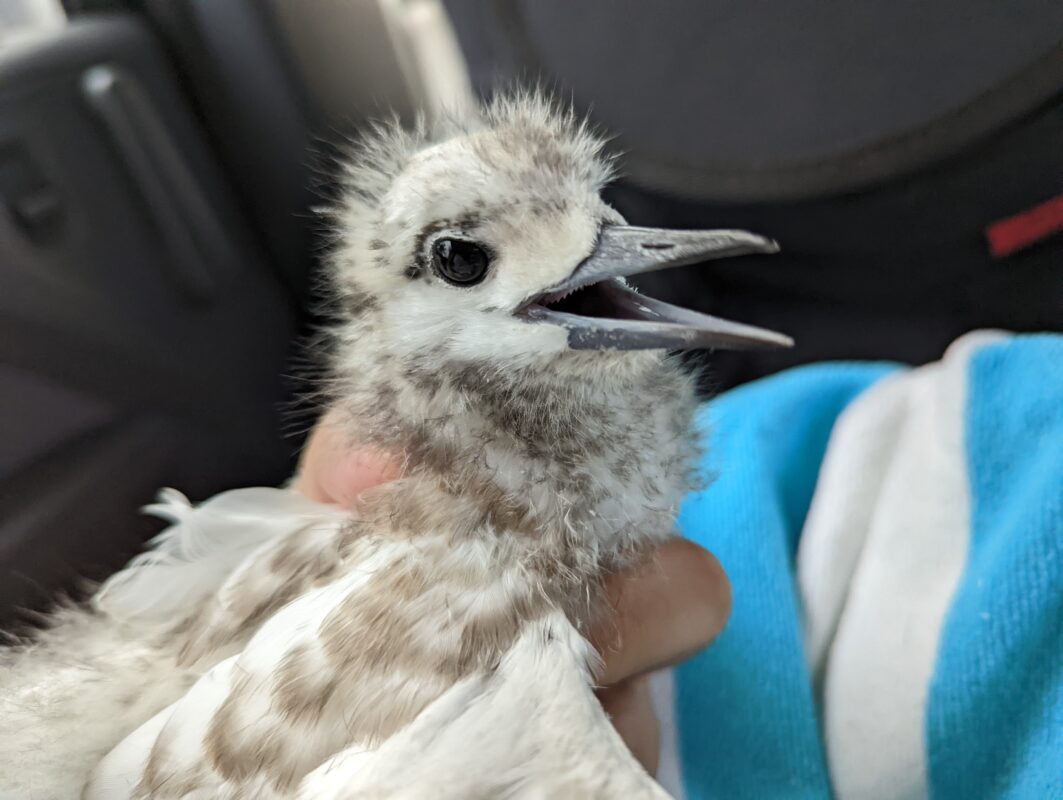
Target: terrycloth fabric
881, 554
895, 544
999, 677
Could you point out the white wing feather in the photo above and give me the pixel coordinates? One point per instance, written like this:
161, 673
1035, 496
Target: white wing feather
532, 729
79, 688
190, 560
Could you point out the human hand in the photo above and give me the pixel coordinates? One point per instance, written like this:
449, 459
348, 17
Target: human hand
665, 611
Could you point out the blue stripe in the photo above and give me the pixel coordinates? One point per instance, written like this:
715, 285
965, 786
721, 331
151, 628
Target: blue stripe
995, 716
746, 718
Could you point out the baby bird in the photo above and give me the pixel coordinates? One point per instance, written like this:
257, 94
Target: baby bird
433, 643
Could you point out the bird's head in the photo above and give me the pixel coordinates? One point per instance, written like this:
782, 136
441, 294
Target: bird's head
487, 241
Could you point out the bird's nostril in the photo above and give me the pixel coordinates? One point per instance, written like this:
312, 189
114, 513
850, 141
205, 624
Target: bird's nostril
657, 246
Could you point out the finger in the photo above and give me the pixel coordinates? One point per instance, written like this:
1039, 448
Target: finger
630, 709
335, 469
665, 611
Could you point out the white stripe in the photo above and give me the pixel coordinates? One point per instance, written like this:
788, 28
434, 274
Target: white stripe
662, 695
882, 552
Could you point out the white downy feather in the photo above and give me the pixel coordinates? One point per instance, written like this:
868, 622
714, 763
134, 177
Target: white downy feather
190, 560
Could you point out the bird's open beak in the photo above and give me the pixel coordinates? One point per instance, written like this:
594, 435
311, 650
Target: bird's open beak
601, 313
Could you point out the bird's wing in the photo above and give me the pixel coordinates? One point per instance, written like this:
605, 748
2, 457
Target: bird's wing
531, 729
190, 560
228, 730
71, 694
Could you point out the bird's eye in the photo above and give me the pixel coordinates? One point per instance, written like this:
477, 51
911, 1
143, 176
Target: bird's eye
459, 262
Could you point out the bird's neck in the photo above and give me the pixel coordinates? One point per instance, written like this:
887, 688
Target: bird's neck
584, 460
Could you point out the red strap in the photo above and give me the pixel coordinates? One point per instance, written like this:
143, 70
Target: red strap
1026, 228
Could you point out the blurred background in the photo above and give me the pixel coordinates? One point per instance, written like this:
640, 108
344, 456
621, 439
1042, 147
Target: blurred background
160, 162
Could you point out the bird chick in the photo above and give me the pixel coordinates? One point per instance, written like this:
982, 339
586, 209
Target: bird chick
433, 644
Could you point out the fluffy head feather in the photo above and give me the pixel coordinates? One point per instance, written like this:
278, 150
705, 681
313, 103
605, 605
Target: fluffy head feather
522, 177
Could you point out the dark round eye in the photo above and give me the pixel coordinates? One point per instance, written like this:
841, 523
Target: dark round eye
459, 262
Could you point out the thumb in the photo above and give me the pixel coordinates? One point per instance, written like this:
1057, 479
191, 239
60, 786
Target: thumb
336, 468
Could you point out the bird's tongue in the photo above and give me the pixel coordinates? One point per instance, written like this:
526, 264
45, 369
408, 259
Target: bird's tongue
601, 313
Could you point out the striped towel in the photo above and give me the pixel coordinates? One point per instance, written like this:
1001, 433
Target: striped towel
894, 538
